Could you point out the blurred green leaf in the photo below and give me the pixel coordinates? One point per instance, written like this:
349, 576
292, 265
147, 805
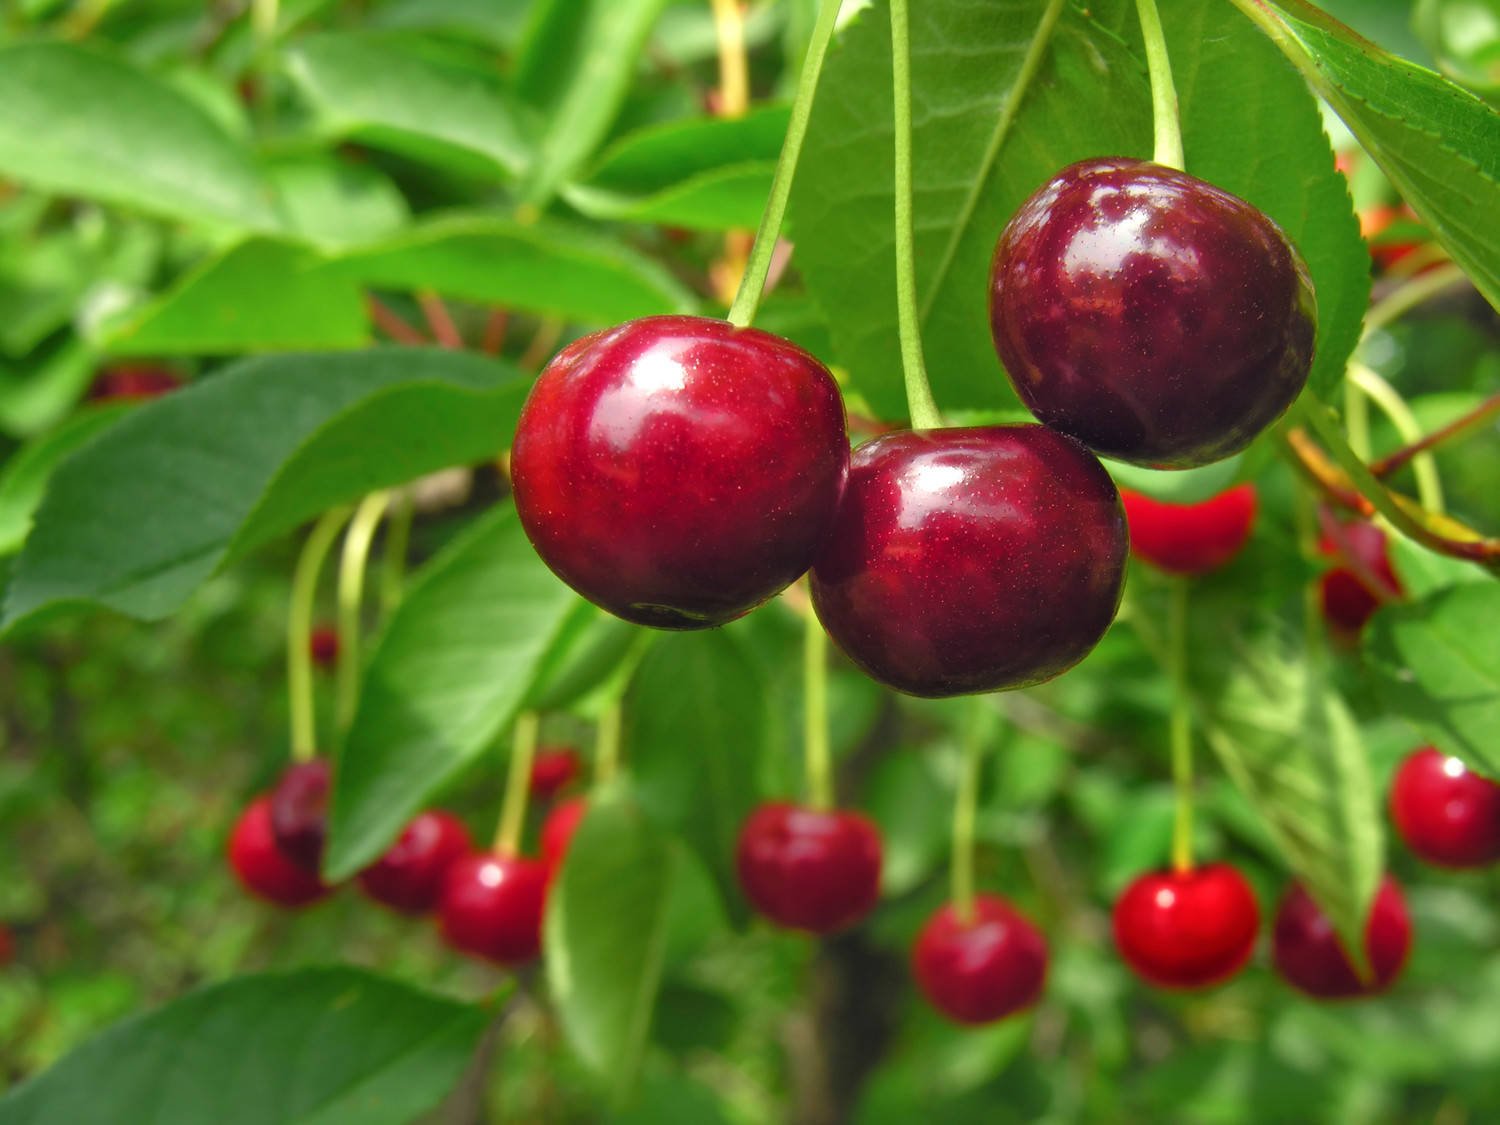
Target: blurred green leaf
37, 396
24, 476
333, 203
317, 1046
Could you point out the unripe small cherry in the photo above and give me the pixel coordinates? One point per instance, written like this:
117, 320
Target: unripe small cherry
1446, 813
810, 869
558, 828
1187, 929
299, 812
982, 970
491, 907
1190, 539
553, 769
260, 865
409, 876
1309, 956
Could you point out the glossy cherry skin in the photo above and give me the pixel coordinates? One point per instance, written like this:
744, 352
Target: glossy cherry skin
1447, 814
553, 769
1154, 317
1309, 956
299, 812
1187, 929
323, 646
983, 971
809, 869
260, 865
968, 560
558, 828
409, 877
1348, 598
678, 471
1190, 539
492, 905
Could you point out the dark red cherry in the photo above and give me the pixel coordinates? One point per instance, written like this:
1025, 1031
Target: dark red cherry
299, 812
558, 829
1309, 956
553, 769
7, 946
1187, 929
1447, 814
810, 869
1154, 317
261, 867
133, 383
409, 877
491, 907
323, 645
970, 560
679, 471
1190, 539
982, 970
1348, 594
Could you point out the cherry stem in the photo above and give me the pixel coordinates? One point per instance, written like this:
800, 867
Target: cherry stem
352, 565
493, 337
299, 632
919, 401
816, 750
517, 785
758, 268
1478, 416
607, 744
965, 806
542, 344
1408, 295
1167, 140
393, 558
439, 319
734, 67
1181, 726
1424, 466
389, 321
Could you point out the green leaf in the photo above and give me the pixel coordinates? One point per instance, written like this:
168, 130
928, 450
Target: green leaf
24, 477
1288, 741
333, 203
577, 61
1438, 664
313, 1047
376, 89
542, 267
194, 479
696, 726
708, 174
39, 395
606, 937
593, 654
82, 123
450, 672
260, 295
1438, 143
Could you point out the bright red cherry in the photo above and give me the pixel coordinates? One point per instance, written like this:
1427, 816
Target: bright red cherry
491, 907
553, 769
810, 869
1187, 929
969, 560
323, 645
1447, 814
299, 812
133, 383
558, 829
1154, 317
1190, 539
1348, 597
1310, 957
409, 877
679, 471
982, 970
261, 867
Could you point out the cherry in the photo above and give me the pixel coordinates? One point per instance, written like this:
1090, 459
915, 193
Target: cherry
1447, 814
679, 471
133, 383
299, 812
261, 867
1348, 598
323, 646
982, 970
491, 907
409, 877
558, 829
553, 769
7, 946
1154, 317
1190, 539
1187, 929
810, 869
1308, 954
968, 560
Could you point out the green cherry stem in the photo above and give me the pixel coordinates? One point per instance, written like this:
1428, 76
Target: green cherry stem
393, 557
607, 744
1407, 296
1181, 726
965, 812
299, 629
1423, 466
758, 268
517, 785
352, 565
919, 401
1167, 141
818, 757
